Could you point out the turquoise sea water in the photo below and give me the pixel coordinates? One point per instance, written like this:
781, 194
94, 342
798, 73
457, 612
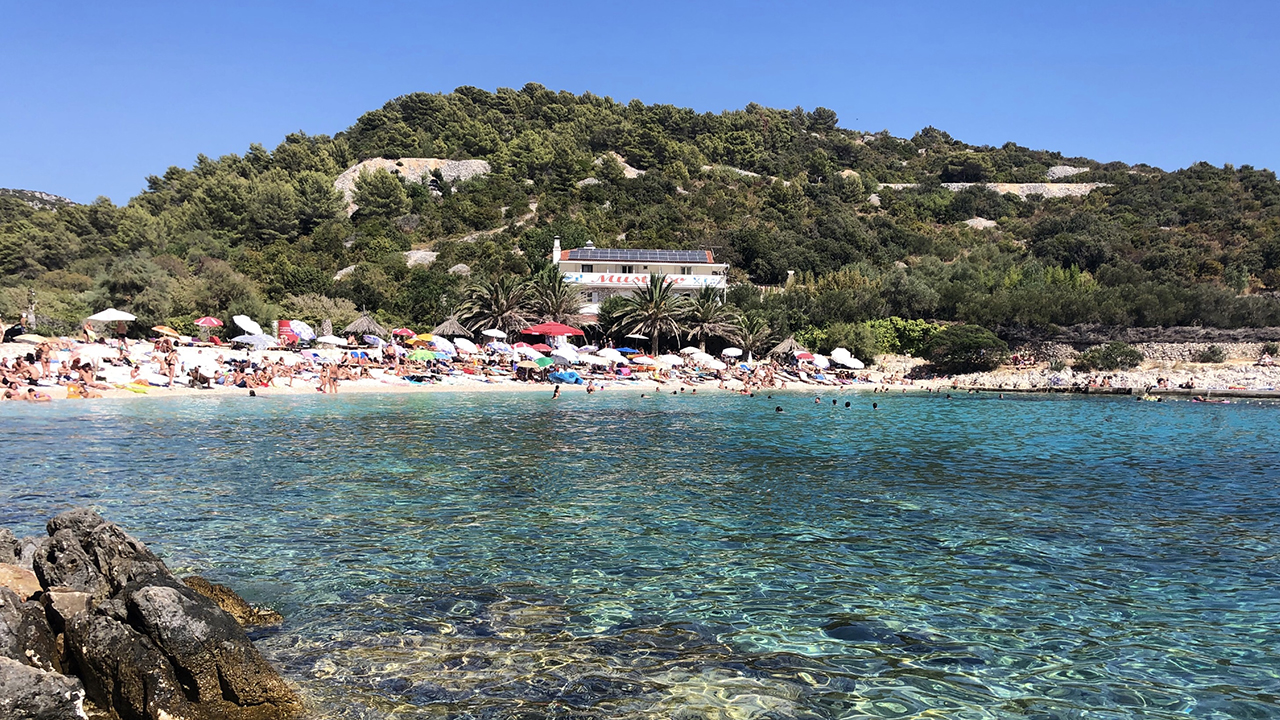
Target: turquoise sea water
495, 556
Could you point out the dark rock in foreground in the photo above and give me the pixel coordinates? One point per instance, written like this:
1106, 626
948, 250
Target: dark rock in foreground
145, 644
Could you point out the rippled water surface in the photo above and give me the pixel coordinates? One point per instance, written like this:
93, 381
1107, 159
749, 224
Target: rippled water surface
487, 556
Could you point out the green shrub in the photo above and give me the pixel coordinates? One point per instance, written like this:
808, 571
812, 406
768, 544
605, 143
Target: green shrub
965, 349
1057, 365
1112, 356
901, 336
1271, 349
1211, 354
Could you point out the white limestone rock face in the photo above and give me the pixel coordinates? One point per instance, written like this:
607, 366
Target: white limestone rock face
411, 169
978, 223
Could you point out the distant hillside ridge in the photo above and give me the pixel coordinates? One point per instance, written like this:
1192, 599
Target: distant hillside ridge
36, 199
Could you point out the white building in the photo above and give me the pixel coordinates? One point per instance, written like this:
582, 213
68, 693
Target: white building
605, 272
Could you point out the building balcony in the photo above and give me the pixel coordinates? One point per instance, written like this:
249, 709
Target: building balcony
631, 280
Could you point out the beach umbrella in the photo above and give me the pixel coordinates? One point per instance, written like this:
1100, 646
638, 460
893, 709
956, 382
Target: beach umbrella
421, 355
521, 345
259, 341
821, 362
731, 352
499, 347
248, 325
638, 336
542, 347
493, 333
804, 355
594, 360
166, 330
209, 322
561, 360
717, 365
331, 340
403, 332
527, 364
452, 327
443, 345
628, 351
544, 362
849, 362
30, 339
568, 353
690, 350
840, 352
554, 329
112, 315
701, 358
787, 347
529, 353
302, 330
465, 345
671, 360
374, 340
365, 325
588, 348
643, 360
610, 353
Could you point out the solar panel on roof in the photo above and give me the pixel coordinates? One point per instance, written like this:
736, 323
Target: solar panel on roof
690, 256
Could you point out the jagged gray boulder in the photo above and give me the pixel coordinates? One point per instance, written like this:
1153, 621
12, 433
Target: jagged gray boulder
28, 693
122, 670
9, 550
145, 644
25, 635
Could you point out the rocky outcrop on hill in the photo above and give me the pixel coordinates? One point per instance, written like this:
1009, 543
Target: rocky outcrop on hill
36, 199
1022, 190
109, 622
411, 169
1057, 172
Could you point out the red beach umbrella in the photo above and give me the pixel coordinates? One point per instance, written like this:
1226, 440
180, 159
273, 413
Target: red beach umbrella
542, 347
208, 321
403, 332
522, 345
552, 329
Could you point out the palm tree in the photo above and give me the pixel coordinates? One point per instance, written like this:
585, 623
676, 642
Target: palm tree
552, 299
654, 309
753, 333
500, 302
710, 316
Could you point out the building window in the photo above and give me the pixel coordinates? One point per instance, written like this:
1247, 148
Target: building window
587, 268
627, 269
686, 270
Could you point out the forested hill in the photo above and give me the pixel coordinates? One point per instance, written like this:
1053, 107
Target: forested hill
871, 225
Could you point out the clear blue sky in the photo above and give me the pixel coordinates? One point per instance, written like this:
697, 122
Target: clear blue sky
96, 96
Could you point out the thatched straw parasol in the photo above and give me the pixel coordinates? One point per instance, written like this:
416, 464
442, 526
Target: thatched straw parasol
365, 325
451, 328
787, 347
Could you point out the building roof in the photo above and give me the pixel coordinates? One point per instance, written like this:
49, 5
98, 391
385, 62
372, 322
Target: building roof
649, 256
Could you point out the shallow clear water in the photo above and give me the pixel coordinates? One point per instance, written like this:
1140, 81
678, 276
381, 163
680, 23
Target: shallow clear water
455, 555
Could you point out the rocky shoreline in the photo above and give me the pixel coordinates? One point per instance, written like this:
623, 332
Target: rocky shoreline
93, 624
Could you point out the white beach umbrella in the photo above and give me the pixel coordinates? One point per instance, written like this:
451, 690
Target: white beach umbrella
701, 357
443, 345
302, 330
821, 361
331, 340
670, 360
717, 365
689, 350
638, 336
732, 352
257, 340
849, 362
610, 353
465, 345
840, 352
567, 352
595, 360
248, 325
493, 333
112, 315
530, 353
644, 361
